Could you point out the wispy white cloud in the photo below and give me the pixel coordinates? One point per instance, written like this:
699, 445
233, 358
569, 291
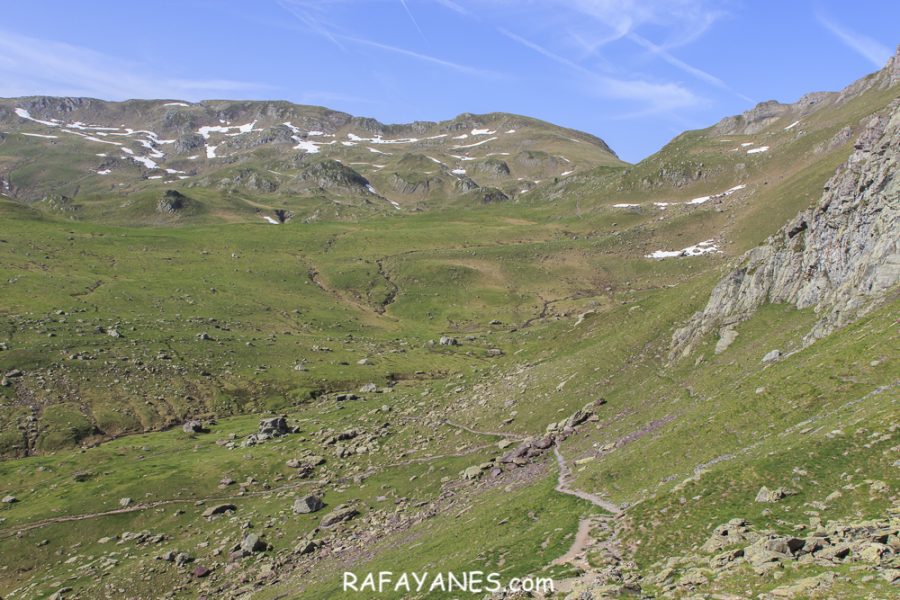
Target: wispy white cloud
653, 96
413, 19
872, 50
33, 66
683, 21
447, 64
544, 51
307, 12
454, 6
683, 66
591, 26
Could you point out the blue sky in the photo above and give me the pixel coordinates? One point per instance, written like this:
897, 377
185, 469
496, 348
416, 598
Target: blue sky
635, 73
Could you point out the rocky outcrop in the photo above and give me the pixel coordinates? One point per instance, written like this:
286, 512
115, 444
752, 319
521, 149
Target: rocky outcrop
171, 202
488, 195
839, 257
331, 174
492, 167
754, 120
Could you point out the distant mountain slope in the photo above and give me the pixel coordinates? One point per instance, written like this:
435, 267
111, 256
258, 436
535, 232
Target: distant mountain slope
82, 148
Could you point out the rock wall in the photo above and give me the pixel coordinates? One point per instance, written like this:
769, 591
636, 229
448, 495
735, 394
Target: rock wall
839, 257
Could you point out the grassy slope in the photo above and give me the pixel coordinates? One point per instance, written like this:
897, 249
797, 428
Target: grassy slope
453, 272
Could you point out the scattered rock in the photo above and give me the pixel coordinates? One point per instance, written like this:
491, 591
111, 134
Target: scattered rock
200, 572
192, 426
726, 338
771, 356
471, 472
766, 495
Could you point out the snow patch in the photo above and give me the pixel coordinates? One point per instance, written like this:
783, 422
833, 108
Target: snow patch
40, 135
490, 139
458, 171
756, 150
623, 205
147, 162
26, 115
271, 220
206, 130
707, 247
309, 147
483, 132
176, 104
104, 172
792, 125
211, 151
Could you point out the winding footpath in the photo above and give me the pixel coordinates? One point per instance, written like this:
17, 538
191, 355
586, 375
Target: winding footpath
563, 487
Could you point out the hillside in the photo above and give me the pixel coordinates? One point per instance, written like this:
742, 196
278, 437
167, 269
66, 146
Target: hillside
270, 160
670, 379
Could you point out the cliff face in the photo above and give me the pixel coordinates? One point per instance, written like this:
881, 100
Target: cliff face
839, 257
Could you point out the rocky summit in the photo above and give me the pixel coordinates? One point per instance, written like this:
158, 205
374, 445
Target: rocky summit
250, 346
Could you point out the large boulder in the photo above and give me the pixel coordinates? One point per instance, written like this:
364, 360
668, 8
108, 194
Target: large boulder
766, 495
274, 426
252, 543
192, 426
307, 504
219, 509
339, 515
